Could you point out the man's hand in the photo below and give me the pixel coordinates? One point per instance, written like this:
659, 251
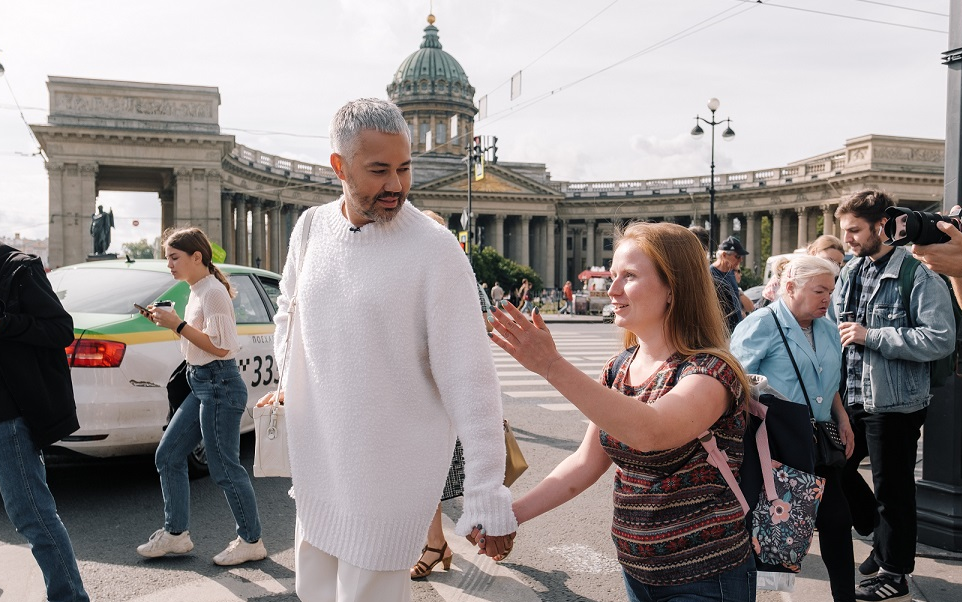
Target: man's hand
852, 333
944, 258
269, 399
496, 546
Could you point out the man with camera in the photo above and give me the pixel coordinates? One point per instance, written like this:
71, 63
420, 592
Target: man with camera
945, 257
885, 382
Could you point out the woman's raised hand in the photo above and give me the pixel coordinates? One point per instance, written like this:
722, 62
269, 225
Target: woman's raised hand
528, 341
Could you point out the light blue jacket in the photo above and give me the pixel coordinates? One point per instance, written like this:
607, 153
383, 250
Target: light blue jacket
758, 346
895, 370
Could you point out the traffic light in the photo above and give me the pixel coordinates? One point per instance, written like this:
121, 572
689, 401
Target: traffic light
477, 148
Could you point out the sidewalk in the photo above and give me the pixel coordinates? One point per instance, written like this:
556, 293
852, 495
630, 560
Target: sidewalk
570, 319
937, 576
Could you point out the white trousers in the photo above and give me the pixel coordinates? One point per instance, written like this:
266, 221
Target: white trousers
320, 577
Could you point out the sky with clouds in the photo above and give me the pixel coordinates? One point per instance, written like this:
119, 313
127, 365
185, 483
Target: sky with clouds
610, 88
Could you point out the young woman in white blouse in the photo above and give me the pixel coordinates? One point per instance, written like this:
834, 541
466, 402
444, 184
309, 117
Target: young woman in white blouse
213, 410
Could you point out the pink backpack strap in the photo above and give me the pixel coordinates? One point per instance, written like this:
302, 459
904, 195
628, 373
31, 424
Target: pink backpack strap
719, 459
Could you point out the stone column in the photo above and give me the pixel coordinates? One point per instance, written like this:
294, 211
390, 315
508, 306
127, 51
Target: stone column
88, 191
274, 248
600, 230
828, 220
563, 248
802, 227
498, 233
577, 260
525, 240
213, 220
590, 232
258, 252
240, 229
777, 232
287, 222
724, 226
751, 240
227, 225
56, 252
550, 252
182, 205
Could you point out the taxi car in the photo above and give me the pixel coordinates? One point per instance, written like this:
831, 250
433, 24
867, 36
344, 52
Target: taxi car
120, 361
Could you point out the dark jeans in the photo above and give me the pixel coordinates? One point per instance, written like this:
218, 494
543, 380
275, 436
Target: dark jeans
834, 524
736, 585
212, 413
32, 510
891, 443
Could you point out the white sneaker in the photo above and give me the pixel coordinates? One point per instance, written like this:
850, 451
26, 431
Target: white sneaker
162, 543
239, 552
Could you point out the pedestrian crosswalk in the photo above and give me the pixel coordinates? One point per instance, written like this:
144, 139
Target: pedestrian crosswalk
588, 352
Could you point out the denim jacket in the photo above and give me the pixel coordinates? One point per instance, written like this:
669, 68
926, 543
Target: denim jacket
895, 373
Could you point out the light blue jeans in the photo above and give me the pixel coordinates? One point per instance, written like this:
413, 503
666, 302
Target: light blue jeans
212, 413
32, 510
736, 585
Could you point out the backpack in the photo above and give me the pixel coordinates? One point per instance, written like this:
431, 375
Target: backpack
942, 368
778, 493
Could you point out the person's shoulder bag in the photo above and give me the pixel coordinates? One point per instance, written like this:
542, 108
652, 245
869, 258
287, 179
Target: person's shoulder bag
271, 454
829, 449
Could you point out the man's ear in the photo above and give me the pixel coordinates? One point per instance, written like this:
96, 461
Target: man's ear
337, 164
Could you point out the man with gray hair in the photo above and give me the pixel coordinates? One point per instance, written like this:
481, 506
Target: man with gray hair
382, 375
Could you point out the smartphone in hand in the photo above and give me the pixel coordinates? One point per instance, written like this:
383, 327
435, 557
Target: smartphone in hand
143, 311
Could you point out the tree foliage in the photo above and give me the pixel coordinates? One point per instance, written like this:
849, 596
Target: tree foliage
491, 267
139, 250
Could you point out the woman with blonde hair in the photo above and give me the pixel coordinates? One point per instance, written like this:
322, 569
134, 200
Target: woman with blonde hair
211, 412
827, 247
811, 344
678, 528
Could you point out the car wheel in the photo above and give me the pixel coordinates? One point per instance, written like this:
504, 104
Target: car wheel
197, 462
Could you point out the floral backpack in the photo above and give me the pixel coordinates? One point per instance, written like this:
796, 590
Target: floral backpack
784, 500
782, 518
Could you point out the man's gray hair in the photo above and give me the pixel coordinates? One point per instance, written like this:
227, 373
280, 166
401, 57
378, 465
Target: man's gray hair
803, 268
365, 114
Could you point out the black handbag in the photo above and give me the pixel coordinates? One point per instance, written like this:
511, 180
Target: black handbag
177, 389
829, 449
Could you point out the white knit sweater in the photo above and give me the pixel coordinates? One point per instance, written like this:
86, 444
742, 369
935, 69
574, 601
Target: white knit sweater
389, 360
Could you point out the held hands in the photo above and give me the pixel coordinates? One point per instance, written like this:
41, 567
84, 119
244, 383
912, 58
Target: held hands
495, 546
528, 341
852, 333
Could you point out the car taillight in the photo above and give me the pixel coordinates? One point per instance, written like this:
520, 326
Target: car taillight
91, 353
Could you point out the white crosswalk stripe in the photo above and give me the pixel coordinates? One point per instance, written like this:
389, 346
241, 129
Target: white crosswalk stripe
585, 352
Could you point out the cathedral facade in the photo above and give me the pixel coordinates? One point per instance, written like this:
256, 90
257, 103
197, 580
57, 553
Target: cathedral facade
112, 135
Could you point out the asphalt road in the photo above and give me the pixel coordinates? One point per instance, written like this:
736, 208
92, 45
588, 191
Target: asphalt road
110, 507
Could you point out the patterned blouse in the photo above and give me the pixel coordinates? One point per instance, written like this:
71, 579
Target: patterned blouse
675, 519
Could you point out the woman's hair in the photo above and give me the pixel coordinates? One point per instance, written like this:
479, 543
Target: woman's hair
694, 322
803, 268
193, 240
773, 286
435, 217
824, 243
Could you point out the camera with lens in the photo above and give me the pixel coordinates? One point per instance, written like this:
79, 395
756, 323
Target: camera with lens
905, 226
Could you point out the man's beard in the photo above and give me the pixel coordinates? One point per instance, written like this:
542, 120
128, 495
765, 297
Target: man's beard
871, 246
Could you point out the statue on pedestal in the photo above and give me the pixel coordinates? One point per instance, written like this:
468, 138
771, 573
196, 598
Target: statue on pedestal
100, 225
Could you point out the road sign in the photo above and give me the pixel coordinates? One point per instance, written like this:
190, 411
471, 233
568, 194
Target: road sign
464, 219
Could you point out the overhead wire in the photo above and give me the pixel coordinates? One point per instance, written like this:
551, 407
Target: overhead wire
841, 16
684, 33
898, 6
546, 52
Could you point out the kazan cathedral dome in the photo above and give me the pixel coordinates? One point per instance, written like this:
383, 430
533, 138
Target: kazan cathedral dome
432, 90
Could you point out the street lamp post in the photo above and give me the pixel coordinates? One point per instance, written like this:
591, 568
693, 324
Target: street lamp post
728, 134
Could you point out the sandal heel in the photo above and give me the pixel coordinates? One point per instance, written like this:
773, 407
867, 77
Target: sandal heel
446, 562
